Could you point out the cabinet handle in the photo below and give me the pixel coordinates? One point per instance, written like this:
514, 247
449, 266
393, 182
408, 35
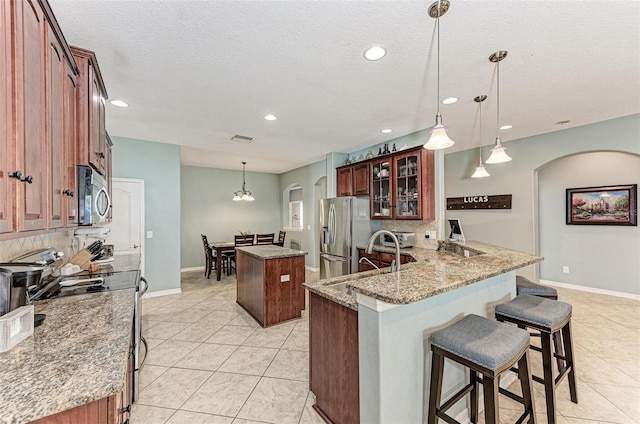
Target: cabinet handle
100, 155
67, 192
126, 409
27, 179
18, 175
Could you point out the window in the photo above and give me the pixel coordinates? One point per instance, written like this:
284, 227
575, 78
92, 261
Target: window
295, 215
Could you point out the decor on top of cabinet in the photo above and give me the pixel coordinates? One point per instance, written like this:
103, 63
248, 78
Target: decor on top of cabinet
604, 205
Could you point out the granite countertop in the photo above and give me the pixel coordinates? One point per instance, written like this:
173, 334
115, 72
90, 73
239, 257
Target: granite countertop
78, 355
270, 251
433, 273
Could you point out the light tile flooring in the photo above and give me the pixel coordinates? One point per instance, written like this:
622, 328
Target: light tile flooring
210, 363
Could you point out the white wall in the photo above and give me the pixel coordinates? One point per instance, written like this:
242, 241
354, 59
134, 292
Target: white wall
518, 228
599, 256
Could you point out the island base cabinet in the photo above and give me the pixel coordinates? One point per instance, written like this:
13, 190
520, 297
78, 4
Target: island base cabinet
333, 360
101, 411
271, 289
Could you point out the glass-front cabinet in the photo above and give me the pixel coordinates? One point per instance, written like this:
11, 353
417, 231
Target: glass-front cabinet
407, 186
381, 188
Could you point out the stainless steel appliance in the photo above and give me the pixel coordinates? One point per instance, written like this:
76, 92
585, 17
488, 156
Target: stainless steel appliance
17, 279
406, 239
93, 197
344, 224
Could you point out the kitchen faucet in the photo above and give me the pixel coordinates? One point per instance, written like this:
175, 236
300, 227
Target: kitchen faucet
395, 265
364, 258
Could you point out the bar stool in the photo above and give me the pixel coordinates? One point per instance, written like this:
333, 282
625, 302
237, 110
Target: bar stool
548, 317
526, 286
486, 347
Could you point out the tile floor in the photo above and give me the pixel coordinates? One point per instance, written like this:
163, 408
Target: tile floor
210, 363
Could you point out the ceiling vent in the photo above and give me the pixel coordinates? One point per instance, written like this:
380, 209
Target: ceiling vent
242, 138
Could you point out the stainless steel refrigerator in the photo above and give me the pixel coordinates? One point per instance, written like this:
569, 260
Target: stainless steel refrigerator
344, 224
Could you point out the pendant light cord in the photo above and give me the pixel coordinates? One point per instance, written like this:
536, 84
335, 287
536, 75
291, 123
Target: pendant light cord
480, 125
498, 98
438, 35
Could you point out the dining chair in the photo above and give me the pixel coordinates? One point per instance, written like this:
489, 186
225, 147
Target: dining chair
210, 258
265, 238
239, 240
280, 241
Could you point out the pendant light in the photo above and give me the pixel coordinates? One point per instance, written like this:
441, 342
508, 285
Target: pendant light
439, 138
480, 172
243, 194
498, 153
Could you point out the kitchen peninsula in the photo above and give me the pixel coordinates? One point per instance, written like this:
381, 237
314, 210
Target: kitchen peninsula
270, 281
396, 313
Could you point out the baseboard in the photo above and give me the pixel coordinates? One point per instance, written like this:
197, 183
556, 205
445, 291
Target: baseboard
193, 268
311, 269
591, 289
161, 293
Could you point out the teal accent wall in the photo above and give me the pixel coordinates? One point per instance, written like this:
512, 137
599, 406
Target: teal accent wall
158, 164
208, 208
519, 227
306, 177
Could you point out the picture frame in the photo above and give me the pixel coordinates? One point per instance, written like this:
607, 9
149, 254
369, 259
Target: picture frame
603, 205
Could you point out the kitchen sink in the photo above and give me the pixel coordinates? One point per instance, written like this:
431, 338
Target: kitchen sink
342, 288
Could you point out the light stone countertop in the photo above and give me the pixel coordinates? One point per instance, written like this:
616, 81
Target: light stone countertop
270, 251
78, 355
433, 273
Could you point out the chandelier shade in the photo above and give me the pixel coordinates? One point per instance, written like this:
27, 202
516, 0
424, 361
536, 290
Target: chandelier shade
498, 153
480, 171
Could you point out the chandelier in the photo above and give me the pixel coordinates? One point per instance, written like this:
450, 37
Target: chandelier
243, 194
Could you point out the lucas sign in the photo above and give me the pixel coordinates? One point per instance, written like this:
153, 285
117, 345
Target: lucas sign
501, 201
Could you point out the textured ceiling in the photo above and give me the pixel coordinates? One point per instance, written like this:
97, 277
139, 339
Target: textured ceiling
198, 72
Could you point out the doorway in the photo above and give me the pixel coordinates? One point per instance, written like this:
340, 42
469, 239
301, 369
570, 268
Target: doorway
127, 225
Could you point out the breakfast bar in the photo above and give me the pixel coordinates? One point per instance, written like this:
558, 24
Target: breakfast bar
397, 312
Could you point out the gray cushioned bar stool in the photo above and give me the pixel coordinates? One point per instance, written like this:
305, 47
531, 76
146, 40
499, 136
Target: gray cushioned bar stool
548, 317
486, 347
526, 286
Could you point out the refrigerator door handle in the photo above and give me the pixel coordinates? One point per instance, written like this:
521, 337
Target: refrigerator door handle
333, 258
332, 223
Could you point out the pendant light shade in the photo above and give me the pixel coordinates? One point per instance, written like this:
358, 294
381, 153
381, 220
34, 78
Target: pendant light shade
243, 194
480, 171
498, 153
439, 138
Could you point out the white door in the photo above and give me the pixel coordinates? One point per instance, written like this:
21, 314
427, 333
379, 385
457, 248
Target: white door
127, 225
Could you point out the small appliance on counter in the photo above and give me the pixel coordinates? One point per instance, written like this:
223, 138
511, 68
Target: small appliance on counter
406, 239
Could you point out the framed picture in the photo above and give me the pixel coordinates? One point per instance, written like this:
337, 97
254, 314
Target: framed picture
608, 205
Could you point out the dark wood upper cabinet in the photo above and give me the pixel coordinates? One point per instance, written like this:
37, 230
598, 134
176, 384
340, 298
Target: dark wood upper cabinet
29, 106
361, 179
70, 190
91, 96
7, 164
344, 182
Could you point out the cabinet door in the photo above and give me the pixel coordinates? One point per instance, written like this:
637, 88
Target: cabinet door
408, 186
381, 189
361, 179
70, 142
7, 166
30, 113
345, 182
55, 78
98, 136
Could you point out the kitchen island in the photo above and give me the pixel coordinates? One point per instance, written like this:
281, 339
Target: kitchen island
76, 361
396, 313
270, 281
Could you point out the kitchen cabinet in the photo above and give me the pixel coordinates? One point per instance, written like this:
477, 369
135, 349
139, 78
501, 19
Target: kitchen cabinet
333, 360
71, 145
6, 118
353, 180
91, 95
380, 259
29, 106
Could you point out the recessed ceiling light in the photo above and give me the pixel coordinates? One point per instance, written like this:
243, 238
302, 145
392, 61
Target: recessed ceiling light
450, 100
386, 131
119, 103
506, 127
375, 53
270, 117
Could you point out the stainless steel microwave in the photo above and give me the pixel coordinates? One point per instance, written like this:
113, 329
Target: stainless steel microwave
405, 239
93, 196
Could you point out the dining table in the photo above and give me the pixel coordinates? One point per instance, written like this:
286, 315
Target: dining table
220, 247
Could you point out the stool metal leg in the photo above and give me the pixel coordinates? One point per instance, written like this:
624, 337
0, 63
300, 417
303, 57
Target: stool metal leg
549, 381
435, 390
557, 343
491, 408
568, 352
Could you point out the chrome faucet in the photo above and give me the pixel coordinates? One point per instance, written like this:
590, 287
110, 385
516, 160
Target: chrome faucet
364, 258
395, 265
